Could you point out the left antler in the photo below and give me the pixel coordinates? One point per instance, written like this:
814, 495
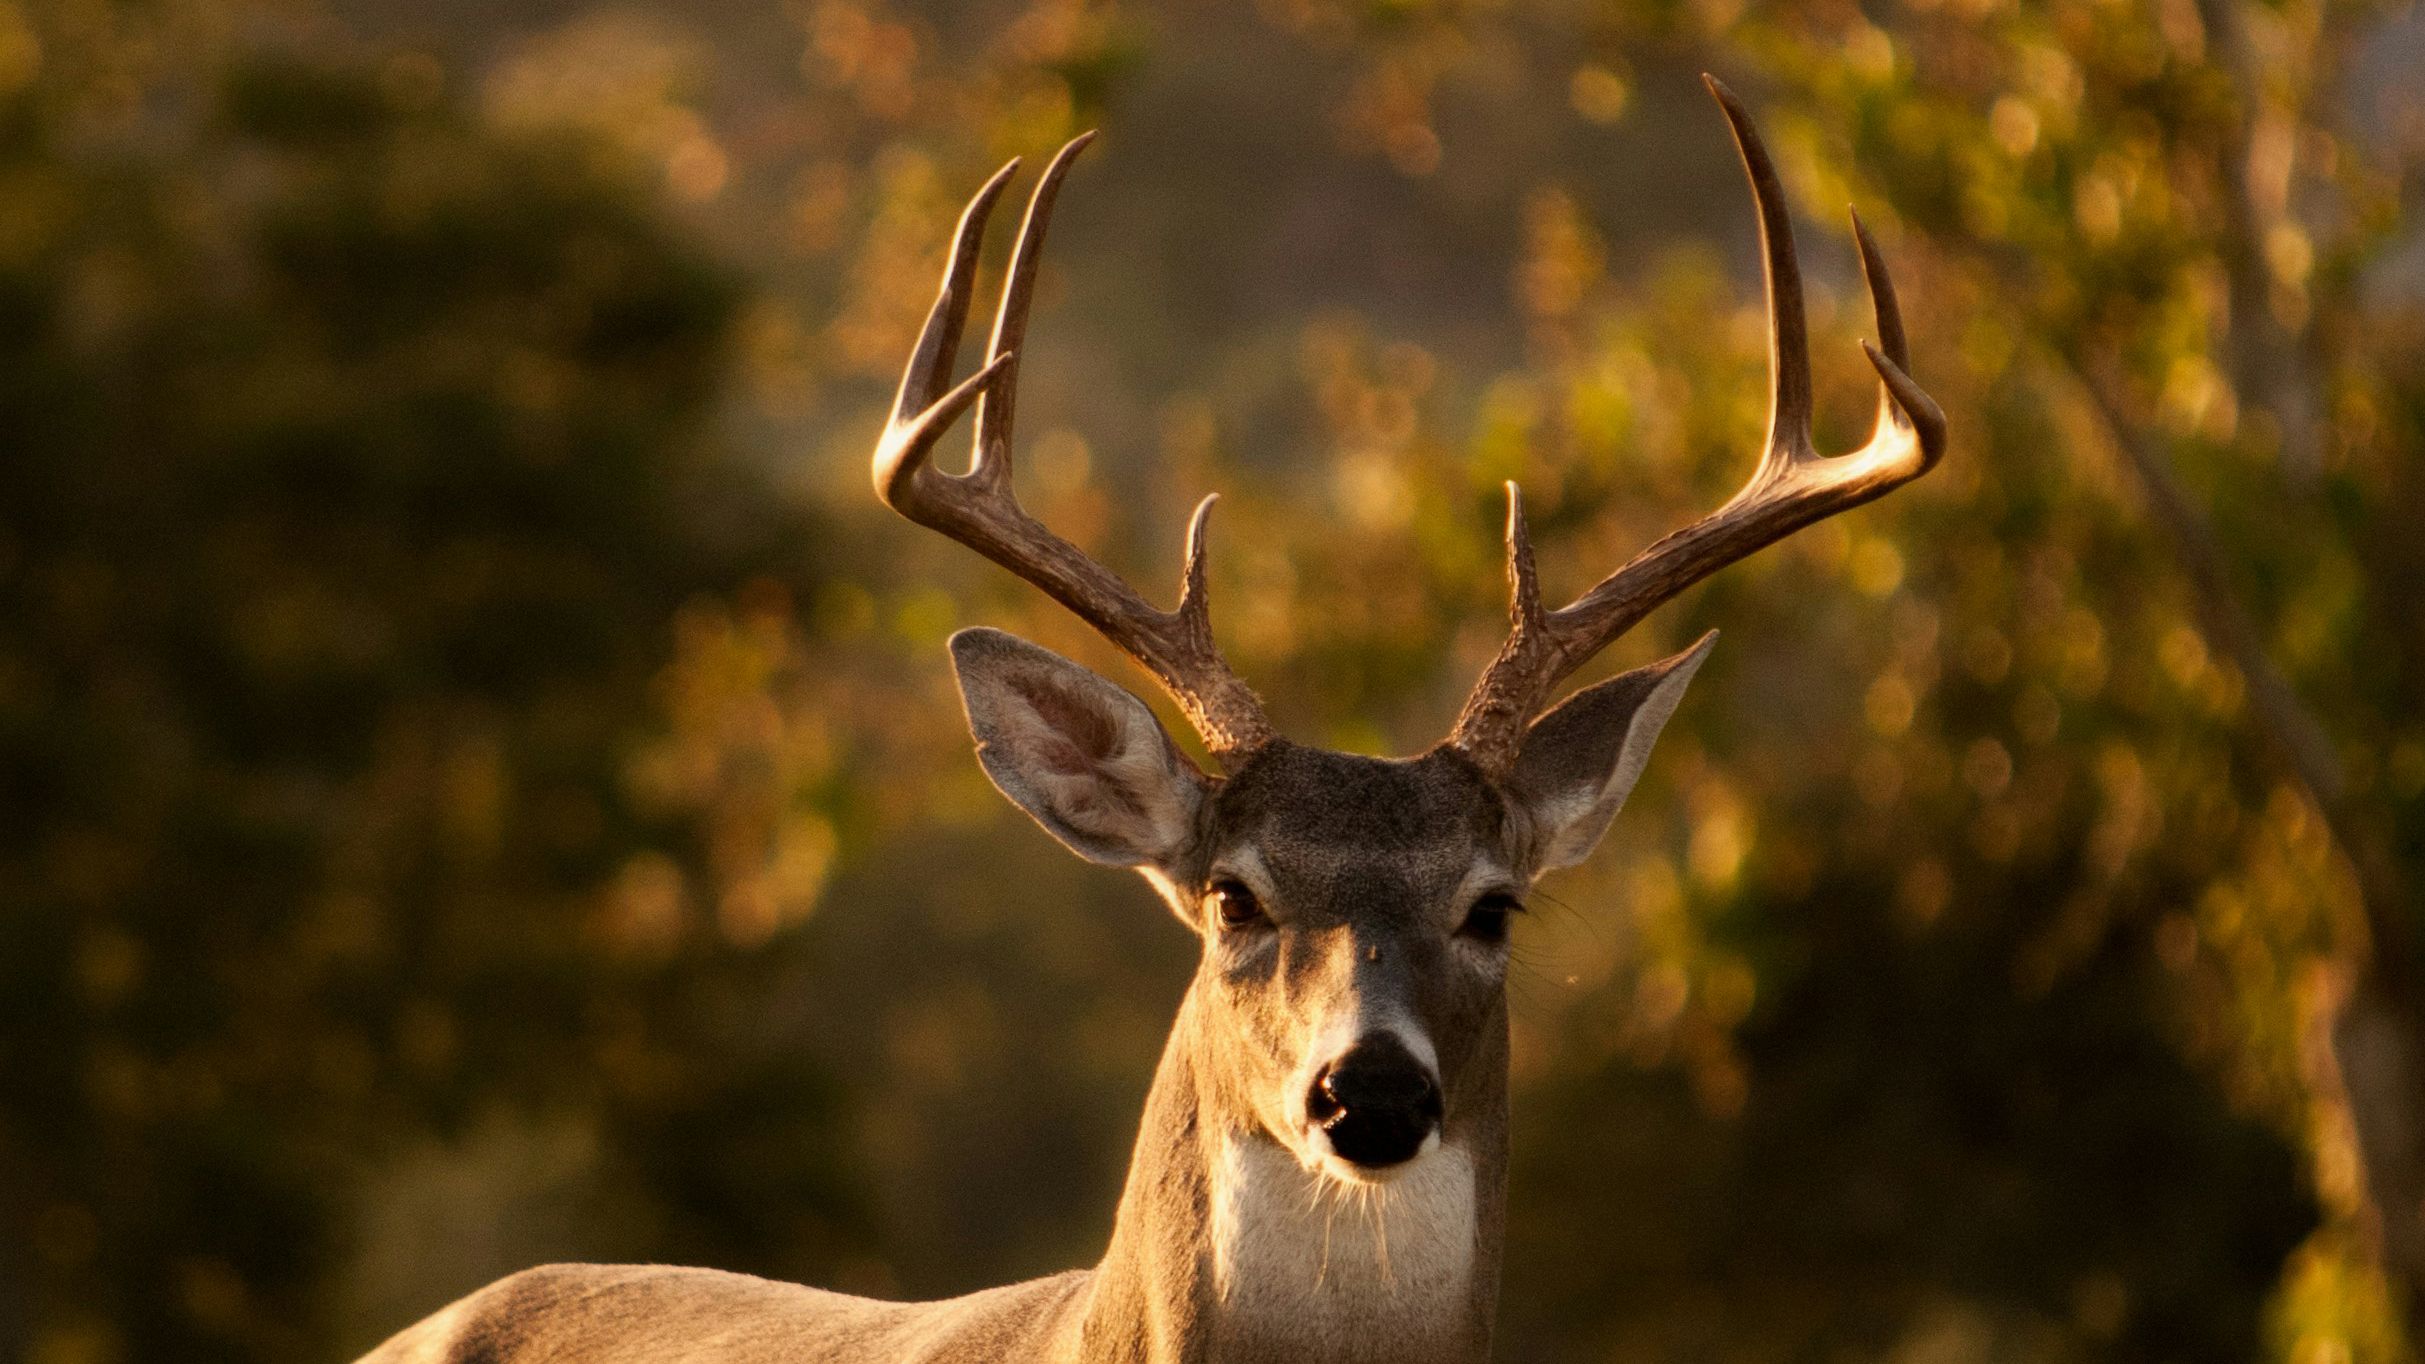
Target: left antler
1793, 486
979, 510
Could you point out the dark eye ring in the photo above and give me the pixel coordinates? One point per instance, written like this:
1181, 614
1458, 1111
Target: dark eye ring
1234, 906
1487, 920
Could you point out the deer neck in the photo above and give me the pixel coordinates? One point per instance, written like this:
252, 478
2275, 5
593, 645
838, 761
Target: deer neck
1227, 1248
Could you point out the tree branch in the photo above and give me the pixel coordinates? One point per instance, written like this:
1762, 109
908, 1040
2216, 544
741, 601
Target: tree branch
2291, 730
2269, 357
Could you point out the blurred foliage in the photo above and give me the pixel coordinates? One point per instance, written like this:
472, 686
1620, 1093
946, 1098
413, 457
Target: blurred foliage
357, 462
479, 783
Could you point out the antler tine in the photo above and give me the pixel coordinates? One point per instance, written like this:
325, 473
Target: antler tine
1789, 398
1195, 605
928, 401
1523, 581
979, 509
1503, 710
928, 375
1791, 487
1881, 294
994, 409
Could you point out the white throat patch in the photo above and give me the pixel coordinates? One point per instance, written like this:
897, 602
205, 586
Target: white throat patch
1298, 1255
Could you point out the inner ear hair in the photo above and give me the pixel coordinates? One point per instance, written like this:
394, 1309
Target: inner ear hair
1082, 756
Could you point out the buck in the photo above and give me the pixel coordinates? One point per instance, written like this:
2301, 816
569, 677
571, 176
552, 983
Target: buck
1321, 1171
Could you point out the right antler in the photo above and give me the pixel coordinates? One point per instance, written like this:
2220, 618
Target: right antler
979, 510
1792, 487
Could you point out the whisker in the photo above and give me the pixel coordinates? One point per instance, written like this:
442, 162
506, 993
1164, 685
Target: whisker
1538, 896
1313, 1192
1389, 1279
1322, 1275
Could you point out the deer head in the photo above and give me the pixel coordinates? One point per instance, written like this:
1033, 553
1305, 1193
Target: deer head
1354, 911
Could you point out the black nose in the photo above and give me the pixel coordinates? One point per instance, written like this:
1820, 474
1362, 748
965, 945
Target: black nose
1377, 1103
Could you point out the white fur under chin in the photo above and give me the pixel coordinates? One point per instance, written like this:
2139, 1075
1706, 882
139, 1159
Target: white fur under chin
1303, 1252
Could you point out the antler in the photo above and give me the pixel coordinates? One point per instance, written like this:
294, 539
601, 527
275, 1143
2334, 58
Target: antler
979, 510
1792, 487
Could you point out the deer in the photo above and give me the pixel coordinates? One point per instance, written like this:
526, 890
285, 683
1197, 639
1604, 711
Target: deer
1321, 1169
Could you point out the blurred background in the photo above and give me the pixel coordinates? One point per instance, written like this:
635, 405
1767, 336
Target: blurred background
480, 781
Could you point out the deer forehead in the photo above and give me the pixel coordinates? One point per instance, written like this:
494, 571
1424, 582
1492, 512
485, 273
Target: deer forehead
1324, 827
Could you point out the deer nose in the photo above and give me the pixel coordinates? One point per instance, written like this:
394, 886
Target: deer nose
1376, 1103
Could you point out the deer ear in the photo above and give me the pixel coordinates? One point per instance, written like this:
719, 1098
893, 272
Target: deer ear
1579, 762
1082, 755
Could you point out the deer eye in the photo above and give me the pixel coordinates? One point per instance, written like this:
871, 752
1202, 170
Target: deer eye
1486, 922
1235, 907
